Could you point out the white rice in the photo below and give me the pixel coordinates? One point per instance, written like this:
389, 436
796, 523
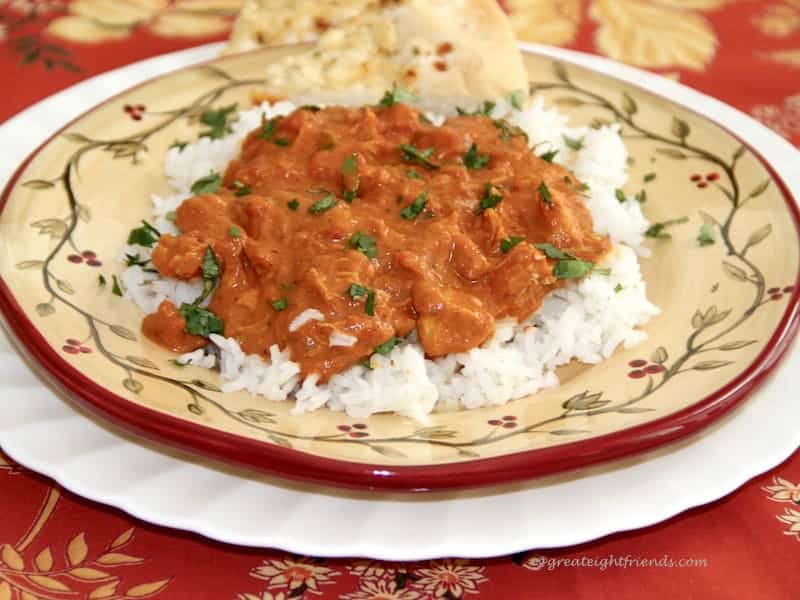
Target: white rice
586, 320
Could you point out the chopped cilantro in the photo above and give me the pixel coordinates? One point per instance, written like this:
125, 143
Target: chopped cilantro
572, 268
146, 235
211, 271
281, 142
549, 155
397, 95
280, 304
618, 288
179, 145
369, 306
293, 204
412, 153
327, 202
573, 143
200, 321
507, 244
356, 291
706, 235
473, 160
485, 110
115, 288
412, 174
621, 197
517, 99
208, 184
242, 189
219, 121
508, 131
656, 230
388, 346
413, 210
641, 197
235, 232
364, 244
268, 127
134, 260
490, 198
544, 192
101, 281
553, 252
350, 177
171, 216
649, 177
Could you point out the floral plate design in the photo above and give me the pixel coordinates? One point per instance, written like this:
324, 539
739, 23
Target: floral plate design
729, 308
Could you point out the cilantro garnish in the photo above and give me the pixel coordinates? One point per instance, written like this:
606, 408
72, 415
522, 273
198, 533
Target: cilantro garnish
569, 266
327, 202
200, 321
280, 304
412, 174
621, 197
134, 260
242, 189
490, 198
544, 192
234, 232
473, 160
179, 145
115, 288
641, 197
507, 244
209, 184
397, 95
549, 155
364, 244
146, 235
649, 177
101, 280
219, 121
293, 204
268, 127
412, 153
388, 346
573, 143
508, 131
350, 177
517, 99
413, 210
656, 230
356, 291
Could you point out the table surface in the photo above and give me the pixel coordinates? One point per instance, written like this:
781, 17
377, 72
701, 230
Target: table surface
54, 545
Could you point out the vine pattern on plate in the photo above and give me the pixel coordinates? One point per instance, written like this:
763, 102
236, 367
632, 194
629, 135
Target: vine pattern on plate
708, 344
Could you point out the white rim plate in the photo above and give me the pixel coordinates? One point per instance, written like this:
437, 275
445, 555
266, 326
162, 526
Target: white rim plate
163, 487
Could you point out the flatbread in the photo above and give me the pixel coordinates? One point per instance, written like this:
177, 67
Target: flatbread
274, 22
448, 52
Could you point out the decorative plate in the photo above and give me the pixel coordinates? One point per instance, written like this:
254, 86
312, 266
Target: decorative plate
729, 309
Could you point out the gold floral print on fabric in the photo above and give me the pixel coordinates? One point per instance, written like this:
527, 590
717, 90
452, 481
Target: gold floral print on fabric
78, 567
96, 21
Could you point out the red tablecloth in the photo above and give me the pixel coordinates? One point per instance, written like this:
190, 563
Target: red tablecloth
54, 545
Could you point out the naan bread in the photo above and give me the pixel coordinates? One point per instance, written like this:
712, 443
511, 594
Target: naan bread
274, 22
448, 52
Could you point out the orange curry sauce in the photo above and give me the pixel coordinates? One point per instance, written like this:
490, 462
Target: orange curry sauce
438, 262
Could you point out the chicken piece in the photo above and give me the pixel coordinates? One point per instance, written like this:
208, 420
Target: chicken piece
180, 257
449, 320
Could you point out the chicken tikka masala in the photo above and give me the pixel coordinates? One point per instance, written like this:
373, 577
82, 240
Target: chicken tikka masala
337, 231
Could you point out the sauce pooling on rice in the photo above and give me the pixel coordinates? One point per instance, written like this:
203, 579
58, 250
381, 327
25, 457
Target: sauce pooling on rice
338, 230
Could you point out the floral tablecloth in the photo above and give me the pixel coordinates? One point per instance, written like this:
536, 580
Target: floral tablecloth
54, 545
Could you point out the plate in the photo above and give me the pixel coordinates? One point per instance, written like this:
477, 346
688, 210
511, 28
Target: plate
100, 462
729, 310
